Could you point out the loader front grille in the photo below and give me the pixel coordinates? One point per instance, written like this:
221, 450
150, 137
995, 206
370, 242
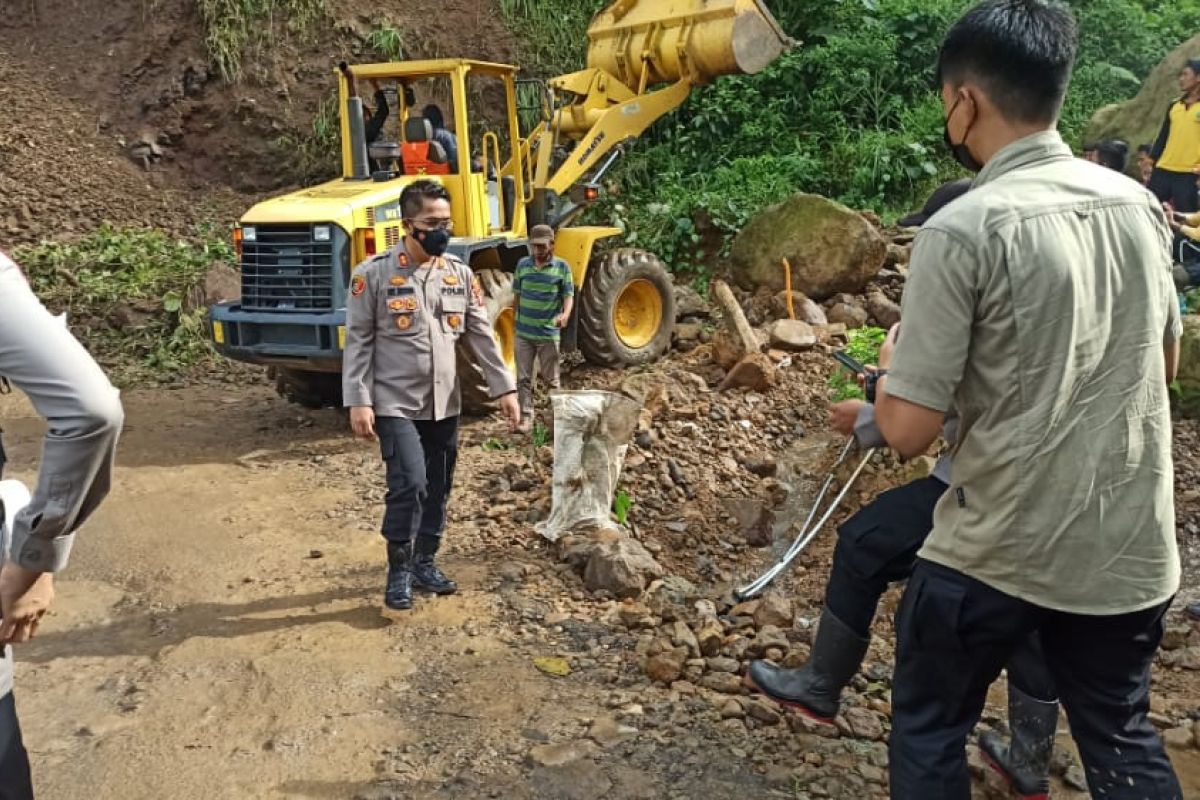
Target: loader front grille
286, 269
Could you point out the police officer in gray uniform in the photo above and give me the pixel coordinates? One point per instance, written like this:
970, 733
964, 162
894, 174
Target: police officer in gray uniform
41, 357
408, 307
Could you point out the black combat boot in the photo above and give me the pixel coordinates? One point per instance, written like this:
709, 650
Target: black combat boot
815, 688
425, 574
398, 594
1025, 761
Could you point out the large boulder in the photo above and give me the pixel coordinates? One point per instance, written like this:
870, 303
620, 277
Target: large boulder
1189, 368
621, 566
1137, 121
830, 247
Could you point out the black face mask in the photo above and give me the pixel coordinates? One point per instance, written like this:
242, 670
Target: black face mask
962, 153
433, 242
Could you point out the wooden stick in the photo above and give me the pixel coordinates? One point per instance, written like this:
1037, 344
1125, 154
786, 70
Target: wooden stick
735, 318
787, 287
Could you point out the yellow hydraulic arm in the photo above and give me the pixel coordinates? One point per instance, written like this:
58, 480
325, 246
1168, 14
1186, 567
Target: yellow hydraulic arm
636, 44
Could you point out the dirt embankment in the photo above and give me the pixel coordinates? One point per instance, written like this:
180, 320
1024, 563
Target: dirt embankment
114, 111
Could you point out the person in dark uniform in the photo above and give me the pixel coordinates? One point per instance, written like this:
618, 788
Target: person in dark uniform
375, 118
407, 310
441, 135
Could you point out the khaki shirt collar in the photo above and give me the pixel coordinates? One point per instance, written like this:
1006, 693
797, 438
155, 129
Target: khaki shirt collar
1038, 148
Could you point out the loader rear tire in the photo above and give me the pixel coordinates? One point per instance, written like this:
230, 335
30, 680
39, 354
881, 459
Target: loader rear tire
307, 389
627, 309
498, 297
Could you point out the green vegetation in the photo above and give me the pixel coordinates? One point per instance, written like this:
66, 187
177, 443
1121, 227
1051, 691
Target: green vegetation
540, 436
388, 41
316, 155
622, 504
863, 346
851, 114
231, 25
553, 32
130, 289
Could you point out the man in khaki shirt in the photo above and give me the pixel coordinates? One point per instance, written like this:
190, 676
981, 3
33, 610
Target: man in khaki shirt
408, 308
1039, 306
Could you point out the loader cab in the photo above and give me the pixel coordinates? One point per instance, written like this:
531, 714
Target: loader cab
488, 182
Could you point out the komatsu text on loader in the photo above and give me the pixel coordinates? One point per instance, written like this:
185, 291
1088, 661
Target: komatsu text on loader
296, 252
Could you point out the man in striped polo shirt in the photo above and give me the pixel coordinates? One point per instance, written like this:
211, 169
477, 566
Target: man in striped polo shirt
543, 293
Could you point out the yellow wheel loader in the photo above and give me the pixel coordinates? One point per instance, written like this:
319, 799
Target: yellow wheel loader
527, 153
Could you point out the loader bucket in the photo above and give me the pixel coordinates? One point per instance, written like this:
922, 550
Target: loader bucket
673, 39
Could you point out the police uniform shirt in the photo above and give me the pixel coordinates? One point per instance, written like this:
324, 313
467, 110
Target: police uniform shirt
403, 322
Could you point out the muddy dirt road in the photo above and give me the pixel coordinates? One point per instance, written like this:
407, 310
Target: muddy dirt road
219, 634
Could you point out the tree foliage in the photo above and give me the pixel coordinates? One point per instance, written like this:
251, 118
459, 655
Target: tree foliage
852, 113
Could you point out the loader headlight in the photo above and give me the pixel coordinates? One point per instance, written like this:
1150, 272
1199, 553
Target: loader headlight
249, 233
322, 233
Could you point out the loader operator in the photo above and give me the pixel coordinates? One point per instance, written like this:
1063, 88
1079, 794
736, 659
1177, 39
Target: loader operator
878, 546
407, 309
41, 357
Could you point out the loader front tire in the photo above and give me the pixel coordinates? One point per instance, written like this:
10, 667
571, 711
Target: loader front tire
627, 309
307, 389
498, 297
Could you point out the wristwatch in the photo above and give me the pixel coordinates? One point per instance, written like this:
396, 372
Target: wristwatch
870, 382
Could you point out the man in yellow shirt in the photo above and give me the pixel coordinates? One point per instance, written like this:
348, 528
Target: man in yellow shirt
1176, 153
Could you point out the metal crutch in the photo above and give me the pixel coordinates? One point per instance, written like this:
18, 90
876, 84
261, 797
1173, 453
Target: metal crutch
806, 534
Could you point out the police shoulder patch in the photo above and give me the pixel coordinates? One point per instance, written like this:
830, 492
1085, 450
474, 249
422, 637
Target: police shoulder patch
358, 285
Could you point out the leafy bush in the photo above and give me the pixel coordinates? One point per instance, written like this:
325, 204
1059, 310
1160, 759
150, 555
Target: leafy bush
852, 114
130, 288
863, 346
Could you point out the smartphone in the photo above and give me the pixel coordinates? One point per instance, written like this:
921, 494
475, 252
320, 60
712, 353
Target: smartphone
849, 363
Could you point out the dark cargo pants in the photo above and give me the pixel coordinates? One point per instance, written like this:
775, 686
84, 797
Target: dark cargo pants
420, 456
878, 546
955, 634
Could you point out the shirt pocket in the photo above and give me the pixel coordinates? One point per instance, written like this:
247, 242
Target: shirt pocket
402, 312
453, 314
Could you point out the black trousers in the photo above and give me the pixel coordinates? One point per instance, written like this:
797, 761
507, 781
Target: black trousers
954, 636
420, 456
877, 547
1177, 188
15, 781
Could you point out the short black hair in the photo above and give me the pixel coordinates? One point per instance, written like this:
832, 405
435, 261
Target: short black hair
434, 114
412, 199
1144, 149
1019, 51
1113, 153
1194, 65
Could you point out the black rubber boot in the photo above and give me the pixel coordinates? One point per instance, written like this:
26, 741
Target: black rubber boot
1025, 761
398, 594
816, 688
426, 576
